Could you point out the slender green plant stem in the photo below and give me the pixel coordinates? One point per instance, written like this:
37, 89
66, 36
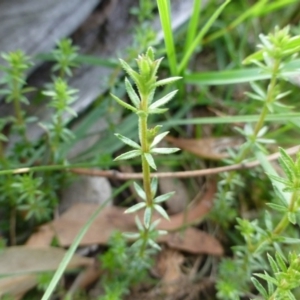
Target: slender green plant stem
265, 109
145, 165
285, 221
69, 254
18, 112
143, 125
281, 226
270, 97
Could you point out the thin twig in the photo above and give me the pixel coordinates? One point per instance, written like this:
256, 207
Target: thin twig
114, 174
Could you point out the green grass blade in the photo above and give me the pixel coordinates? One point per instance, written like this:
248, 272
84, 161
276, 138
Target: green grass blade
233, 119
258, 9
275, 6
193, 24
69, 254
238, 76
84, 59
165, 19
199, 37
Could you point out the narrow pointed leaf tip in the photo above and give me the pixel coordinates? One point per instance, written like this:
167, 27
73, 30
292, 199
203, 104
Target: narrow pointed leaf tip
164, 150
163, 100
133, 74
128, 141
161, 211
128, 155
135, 208
139, 191
159, 138
167, 81
150, 160
124, 104
132, 94
150, 53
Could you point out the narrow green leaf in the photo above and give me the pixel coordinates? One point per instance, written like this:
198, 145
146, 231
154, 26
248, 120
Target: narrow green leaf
268, 221
280, 197
270, 288
150, 53
154, 245
154, 185
156, 66
163, 100
259, 91
233, 119
260, 287
167, 81
258, 55
283, 95
124, 104
128, 141
161, 211
157, 111
154, 224
162, 232
139, 223
128, 155
280, 261
273, 264
277, 207
150, 160
193, 24
163, 198
132, 94
292, 217
267, 277
290, 295
279, 179
254, 96
164, 150
133, 74
135, 208
131, 235
147, 217
233, 76
287, 164
158, 138
139, 191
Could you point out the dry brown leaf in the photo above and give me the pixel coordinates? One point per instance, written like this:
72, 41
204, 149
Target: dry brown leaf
16, 261
113, 218
85, 279
194, 213
209, 148
180, 199
16, 285
194, 241
21, 259
110, 219
168, 267
42, 238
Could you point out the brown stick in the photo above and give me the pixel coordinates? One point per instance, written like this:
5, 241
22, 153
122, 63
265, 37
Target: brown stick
184, 174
